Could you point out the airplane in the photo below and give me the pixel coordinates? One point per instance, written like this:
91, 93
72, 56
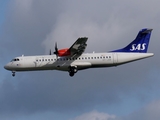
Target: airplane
74, 59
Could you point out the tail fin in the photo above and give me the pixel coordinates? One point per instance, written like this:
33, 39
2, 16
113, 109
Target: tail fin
140, 44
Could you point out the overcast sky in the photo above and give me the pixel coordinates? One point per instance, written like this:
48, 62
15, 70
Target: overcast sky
31, 27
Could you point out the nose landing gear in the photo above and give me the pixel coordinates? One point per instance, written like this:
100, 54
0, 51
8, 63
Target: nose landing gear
13, 73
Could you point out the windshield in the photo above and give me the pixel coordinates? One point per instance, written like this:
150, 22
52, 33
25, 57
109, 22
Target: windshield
16, 59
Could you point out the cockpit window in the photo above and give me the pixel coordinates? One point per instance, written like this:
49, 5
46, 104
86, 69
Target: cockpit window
16, 59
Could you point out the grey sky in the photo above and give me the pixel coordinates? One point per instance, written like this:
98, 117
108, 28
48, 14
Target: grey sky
33, 26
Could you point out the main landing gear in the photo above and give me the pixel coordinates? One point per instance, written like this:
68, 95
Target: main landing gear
13, 73
72, 70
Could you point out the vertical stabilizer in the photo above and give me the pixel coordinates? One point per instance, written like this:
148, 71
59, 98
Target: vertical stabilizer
140, 44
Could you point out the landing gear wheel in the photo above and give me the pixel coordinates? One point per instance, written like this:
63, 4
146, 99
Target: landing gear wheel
75, 70
71, 74
72, 70
13, 74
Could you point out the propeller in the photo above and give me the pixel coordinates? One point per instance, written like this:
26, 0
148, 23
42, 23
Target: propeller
50, 52
56, 49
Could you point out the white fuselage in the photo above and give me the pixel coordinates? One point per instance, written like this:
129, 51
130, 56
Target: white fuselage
86, 60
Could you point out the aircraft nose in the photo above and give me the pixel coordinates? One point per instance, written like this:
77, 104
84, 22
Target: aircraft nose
6, 67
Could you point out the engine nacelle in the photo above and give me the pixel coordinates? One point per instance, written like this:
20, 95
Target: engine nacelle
64, 52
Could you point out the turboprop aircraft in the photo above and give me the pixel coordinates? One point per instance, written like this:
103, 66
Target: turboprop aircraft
74, 59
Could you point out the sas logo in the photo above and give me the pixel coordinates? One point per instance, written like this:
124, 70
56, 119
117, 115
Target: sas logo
138, 47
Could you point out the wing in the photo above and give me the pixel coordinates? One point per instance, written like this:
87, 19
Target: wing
78, 47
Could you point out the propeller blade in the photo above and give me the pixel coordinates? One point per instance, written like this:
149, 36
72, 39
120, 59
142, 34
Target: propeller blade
50, 52
56, 49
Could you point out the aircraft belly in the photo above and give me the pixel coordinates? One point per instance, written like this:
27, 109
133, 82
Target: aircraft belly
106, 63
81, 65
130, 57
33, 66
